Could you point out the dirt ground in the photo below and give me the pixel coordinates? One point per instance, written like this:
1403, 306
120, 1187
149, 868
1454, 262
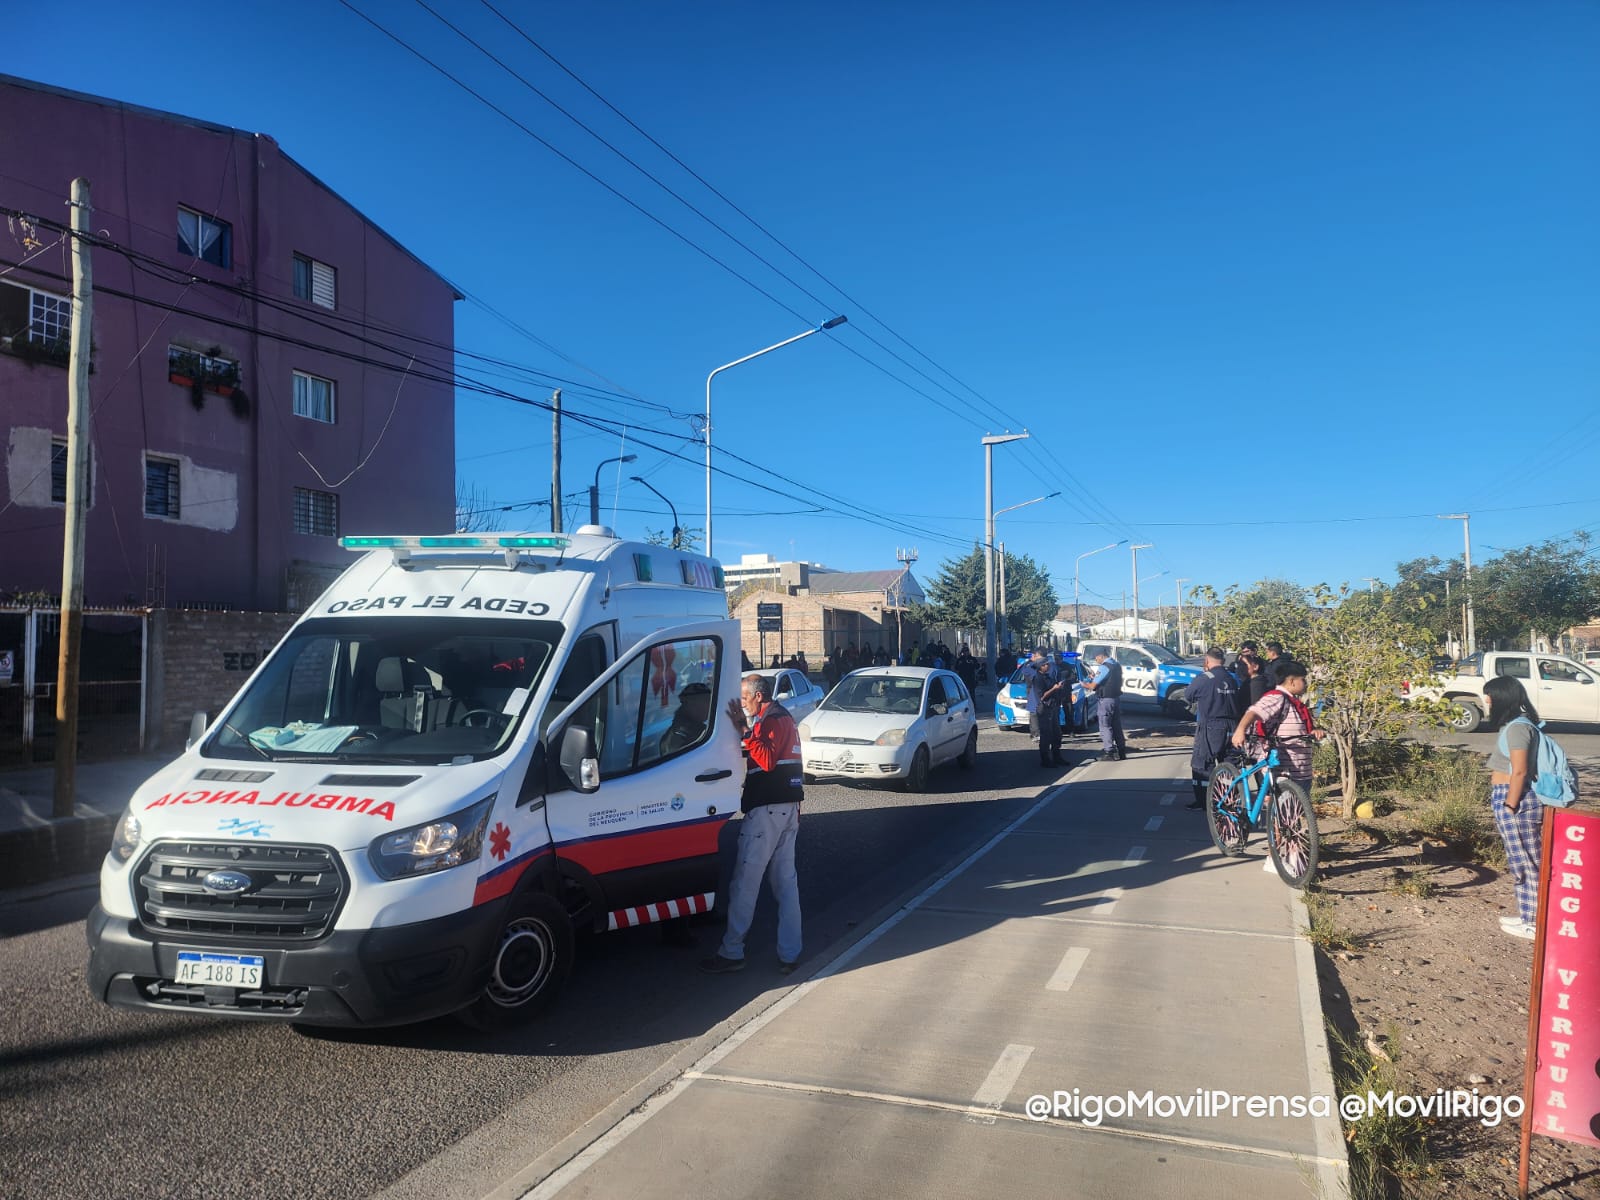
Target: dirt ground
1445, 993
1437, 985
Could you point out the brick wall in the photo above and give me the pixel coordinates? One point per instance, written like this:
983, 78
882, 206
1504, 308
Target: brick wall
817, 624
199, 660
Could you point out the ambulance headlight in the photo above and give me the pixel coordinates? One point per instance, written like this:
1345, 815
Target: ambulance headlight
436, 846
891, 737
125, 838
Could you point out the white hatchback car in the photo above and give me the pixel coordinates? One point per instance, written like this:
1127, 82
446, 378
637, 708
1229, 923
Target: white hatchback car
794, 691
891, 723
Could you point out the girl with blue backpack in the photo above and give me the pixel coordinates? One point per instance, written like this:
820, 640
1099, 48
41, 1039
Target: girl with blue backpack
1518, 809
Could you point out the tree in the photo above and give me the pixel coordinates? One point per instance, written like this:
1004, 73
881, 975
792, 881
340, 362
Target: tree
1438, 588
475, 513
956, 595
1274, 610
1546, 588
678, 539
1360, 648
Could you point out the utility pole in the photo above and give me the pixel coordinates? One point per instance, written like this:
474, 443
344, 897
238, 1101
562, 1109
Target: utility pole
1000, 624
1136, 547
990, 441
905, 558
1469, 626
77, 506
555, 462
1182, 650
1124, 615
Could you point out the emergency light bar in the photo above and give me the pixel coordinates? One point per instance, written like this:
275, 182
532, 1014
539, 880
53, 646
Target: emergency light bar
457, 541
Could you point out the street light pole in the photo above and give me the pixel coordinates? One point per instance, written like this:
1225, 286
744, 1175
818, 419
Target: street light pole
1001, 623
990, 441
676, 529
1471, 627
1136, 547
832, 323
1180, 581
594, 488
1077, 607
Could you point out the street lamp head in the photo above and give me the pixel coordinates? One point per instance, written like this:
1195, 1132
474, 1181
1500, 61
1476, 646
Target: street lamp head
629, 458
835, 322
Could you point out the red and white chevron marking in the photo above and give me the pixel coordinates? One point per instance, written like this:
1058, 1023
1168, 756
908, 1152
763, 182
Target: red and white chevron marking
666, 910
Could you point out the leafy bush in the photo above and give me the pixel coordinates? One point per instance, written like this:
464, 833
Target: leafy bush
1444, 794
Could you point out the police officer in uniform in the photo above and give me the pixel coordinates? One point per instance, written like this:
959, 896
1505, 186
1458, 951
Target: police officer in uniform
1107, 688
1214, 696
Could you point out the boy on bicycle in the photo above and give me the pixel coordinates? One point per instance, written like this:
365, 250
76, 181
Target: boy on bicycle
1282, 716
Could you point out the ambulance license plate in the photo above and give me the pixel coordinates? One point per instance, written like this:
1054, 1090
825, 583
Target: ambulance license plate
220, 970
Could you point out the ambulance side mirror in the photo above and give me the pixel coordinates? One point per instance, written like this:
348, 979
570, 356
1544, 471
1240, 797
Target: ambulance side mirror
580, 763
197, 730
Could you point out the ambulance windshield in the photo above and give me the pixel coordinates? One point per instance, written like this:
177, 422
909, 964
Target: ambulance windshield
389, 689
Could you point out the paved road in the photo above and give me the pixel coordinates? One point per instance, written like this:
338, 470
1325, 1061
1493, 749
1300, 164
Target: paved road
105, 1102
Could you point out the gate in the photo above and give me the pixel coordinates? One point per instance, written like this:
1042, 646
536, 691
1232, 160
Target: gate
111, 682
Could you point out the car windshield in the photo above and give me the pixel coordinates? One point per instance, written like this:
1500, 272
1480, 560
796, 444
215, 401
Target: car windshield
1161, 653
396, 690
876, 693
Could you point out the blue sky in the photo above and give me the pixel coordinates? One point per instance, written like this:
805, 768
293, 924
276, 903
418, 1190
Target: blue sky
1270, 284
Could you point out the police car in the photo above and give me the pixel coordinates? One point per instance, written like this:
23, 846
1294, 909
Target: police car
1011, 701
1149, 672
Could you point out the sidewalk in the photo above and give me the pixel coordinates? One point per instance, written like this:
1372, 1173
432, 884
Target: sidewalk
35, 847
1097, 944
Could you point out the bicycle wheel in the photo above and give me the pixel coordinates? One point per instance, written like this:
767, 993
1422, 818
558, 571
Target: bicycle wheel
1225, 810
1292, 833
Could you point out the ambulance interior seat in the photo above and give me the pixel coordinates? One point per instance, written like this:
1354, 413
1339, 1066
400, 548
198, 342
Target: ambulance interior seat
399, 681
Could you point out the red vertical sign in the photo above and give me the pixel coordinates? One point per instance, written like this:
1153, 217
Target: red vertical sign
1566, 1045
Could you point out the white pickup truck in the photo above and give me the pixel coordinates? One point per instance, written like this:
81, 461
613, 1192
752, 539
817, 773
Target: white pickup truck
1561, 689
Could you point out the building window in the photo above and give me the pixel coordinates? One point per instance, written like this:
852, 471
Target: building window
205, 238
160, 488
58, 472
315, 281
314, 398
316, 513
28, 314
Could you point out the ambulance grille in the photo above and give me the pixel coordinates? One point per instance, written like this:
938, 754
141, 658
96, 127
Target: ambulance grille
294, 895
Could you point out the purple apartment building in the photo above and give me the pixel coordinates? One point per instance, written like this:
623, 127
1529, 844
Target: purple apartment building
250, 396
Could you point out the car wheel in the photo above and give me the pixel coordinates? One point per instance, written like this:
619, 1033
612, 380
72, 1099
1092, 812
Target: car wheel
969, 756
531, 963
1465, 716
1176, 707
917, 777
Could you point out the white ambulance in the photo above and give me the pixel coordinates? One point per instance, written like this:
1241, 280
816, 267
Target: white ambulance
468, 748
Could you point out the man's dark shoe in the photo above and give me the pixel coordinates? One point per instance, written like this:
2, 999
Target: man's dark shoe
1108, 758
786, 968
717, 965
1197, 802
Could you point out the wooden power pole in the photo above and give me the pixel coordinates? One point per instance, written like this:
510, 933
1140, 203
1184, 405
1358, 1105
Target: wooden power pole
71, 632
555, 462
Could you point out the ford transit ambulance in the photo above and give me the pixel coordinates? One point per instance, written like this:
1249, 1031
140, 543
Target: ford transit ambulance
467, 749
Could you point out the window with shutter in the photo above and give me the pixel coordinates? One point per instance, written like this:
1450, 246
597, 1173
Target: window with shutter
58, 473
322, 284
160, 488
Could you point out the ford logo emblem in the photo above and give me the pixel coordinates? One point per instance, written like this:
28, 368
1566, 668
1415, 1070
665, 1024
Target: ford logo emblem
226, 883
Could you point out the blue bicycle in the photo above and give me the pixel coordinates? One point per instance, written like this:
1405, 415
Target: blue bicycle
1244, 789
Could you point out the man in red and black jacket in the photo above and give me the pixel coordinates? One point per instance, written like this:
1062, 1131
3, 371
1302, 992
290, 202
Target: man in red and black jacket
771, 806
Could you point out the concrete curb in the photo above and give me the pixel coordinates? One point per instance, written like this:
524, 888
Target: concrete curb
47, 852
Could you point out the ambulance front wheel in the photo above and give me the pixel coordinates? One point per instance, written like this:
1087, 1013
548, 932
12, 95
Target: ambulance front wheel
531, 963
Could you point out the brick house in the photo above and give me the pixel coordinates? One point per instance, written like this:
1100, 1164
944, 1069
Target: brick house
836, 609
235, 433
